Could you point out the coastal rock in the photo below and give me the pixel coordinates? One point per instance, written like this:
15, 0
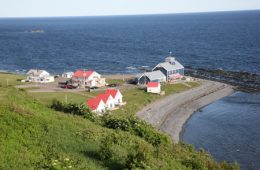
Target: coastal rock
243, 81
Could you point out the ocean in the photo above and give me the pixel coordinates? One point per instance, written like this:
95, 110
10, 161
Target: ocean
122, 44
229, 128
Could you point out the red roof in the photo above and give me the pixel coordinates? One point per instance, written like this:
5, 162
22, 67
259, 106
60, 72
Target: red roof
82, 73
93, 103
112, 92
103, 97
153, 84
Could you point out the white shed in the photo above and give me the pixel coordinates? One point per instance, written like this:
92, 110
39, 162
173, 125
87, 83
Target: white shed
154, 87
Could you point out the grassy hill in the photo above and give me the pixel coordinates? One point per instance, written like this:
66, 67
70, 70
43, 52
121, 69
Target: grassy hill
33, 136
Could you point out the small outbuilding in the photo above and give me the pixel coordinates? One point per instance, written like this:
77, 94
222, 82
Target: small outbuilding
154, 87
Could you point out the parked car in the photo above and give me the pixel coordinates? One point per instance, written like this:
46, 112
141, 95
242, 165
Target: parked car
92, 88
68, 86
112, 85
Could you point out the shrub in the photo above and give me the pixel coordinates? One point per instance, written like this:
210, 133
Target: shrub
137, 127
118, 123
140, 157
75, 109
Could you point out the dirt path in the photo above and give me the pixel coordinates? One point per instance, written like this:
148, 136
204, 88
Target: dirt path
170, 114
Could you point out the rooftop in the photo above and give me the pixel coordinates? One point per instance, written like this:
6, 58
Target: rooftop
153, 84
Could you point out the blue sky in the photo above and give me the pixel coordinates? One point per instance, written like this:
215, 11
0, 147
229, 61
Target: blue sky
41, 8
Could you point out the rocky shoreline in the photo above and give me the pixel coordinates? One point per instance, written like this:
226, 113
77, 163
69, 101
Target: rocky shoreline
243, 81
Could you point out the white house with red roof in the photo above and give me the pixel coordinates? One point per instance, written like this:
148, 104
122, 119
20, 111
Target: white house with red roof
154, 87
116, 94
96, 105
110, 99
88, 78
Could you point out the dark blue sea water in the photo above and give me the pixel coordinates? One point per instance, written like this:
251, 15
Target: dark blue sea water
227, 40
229, 129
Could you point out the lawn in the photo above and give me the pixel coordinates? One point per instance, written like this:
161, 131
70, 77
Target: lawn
47, 97
138, 98
10, 79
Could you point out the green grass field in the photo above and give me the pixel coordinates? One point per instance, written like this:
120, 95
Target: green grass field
10, 79
138, 98
67, 97
33, 136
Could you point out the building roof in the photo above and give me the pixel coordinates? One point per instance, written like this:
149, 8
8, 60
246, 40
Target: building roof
104, 97
35, 72
82, 73
153, 84
93, 103
167, 66
112, 92
154, 75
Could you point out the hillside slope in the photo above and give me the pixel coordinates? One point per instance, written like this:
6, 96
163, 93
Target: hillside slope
33, 136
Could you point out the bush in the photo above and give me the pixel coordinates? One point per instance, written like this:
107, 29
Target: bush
137, 127
139, 157
75, 109
117, 123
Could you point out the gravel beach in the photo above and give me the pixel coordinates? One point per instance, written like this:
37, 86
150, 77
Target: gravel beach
171, 113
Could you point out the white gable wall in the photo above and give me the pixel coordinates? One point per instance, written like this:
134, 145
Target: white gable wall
101, 107
110, 103
118, 98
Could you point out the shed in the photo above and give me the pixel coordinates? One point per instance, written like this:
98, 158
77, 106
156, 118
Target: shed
154, 87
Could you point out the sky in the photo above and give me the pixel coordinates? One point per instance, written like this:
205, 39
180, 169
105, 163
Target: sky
48, 8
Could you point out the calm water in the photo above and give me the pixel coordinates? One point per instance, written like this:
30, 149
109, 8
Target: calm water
229, 129
228, 40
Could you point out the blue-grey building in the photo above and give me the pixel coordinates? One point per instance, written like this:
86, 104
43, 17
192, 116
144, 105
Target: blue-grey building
171, 68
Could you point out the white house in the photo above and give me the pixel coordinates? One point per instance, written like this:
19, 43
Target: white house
117, 96
67, 75
108, 100
88, 78
96, 105
39, 76
154, 87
